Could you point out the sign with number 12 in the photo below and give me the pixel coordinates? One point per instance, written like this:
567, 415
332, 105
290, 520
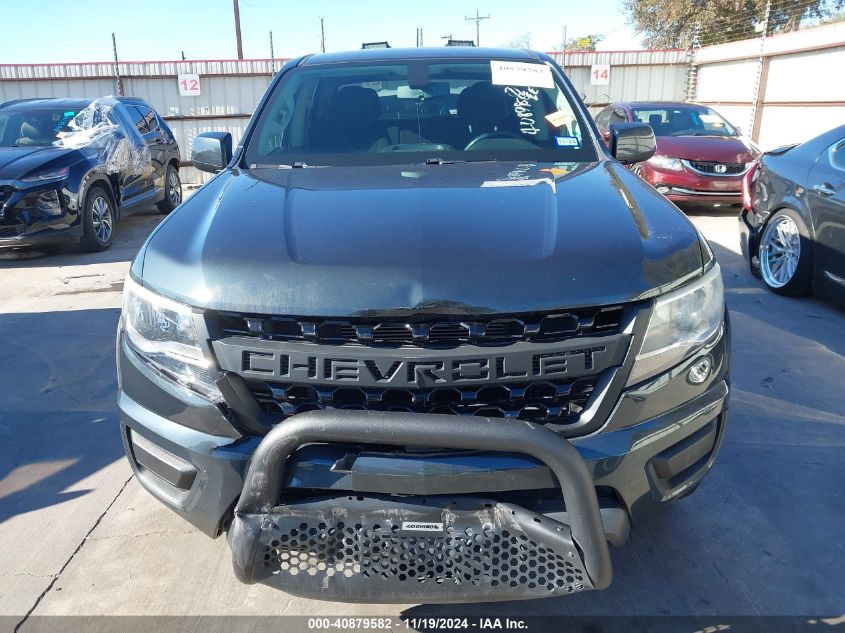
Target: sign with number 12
600, 74
189, 85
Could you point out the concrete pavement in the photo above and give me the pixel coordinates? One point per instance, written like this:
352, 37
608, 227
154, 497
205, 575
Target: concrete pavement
80, 536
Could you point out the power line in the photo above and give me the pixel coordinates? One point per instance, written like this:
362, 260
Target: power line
477, 19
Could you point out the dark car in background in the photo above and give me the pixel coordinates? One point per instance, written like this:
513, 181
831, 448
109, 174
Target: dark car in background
70, 168
700, 157
792, 225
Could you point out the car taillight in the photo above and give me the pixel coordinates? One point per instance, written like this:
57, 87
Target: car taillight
748, 185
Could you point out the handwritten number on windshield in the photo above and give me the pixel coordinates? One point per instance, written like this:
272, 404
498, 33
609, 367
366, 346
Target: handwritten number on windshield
522, 98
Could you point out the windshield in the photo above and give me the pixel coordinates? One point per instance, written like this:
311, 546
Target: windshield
684, 121
39, 126
46, 126
417, 111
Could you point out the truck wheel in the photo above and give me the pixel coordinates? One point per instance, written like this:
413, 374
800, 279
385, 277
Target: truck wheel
98, 220
172, 190
785, 254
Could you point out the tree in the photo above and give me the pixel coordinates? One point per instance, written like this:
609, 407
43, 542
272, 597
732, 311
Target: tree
523, 41
585, 43
673, 23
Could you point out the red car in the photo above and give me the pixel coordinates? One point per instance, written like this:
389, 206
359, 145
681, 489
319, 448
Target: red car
700, 156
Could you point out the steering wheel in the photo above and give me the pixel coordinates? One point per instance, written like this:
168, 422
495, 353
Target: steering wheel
487, 136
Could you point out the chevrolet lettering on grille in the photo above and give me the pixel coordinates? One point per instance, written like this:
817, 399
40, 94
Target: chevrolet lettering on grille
297, 363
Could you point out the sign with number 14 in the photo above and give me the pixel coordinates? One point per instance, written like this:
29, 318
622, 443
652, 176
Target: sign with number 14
189, 85
600, 74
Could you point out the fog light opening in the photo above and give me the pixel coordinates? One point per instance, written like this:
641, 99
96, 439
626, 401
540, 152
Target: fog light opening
700, 370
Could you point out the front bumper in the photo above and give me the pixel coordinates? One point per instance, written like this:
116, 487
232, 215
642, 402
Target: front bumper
685, 186
749, 236
412, 549
21, 227
11, 237
680, 194
310, 474
365, 542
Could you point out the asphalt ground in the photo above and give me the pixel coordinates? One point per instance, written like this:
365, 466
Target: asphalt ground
79, 536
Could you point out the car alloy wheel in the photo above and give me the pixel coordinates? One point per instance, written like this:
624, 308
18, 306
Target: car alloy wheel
174, 188
102, 219
780, 251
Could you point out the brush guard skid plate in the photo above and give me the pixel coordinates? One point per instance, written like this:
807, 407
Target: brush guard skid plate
377, 548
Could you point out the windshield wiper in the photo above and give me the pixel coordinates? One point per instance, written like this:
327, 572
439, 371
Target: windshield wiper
294, 165
442, 161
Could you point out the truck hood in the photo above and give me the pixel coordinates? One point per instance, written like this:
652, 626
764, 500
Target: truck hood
18, 162
453, 238
720, 149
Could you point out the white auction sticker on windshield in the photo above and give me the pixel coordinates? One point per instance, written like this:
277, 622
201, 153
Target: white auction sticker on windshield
521, 74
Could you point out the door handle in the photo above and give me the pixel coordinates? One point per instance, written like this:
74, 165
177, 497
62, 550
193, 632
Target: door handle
824, 189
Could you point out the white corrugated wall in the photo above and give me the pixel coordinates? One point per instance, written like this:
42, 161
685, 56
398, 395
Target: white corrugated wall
801, 94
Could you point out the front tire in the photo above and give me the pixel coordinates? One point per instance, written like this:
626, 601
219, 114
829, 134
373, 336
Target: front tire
172, 190
98, 220
785, 254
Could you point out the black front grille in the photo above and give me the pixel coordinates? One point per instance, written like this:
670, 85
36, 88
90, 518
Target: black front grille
5, 194
351, 548
10, 231
502, 560
710, 168
434, 332
555, 402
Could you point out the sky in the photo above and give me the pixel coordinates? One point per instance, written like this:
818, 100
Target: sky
204, 29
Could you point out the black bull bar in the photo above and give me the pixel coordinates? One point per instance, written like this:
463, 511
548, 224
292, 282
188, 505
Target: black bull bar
378, 548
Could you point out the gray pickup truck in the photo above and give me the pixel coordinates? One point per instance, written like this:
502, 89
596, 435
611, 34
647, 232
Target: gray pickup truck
423, 337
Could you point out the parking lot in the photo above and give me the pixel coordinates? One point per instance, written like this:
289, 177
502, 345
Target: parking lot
762, 536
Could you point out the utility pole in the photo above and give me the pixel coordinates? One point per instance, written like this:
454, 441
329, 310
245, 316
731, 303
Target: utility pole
322, 36
272, 56
762, 78
116, 67
238, 29
477, 19
563, 50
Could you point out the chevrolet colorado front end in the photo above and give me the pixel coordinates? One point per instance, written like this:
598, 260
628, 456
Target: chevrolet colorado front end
423, 337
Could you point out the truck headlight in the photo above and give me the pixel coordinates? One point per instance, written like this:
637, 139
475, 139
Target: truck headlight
162, 332
681, 323
665, 162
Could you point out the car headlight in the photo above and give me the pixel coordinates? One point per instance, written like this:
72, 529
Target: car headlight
162, 332
681, 323
665, 162
52, 174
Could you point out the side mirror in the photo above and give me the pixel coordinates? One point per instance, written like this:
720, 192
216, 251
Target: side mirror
211, 151
632, 142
